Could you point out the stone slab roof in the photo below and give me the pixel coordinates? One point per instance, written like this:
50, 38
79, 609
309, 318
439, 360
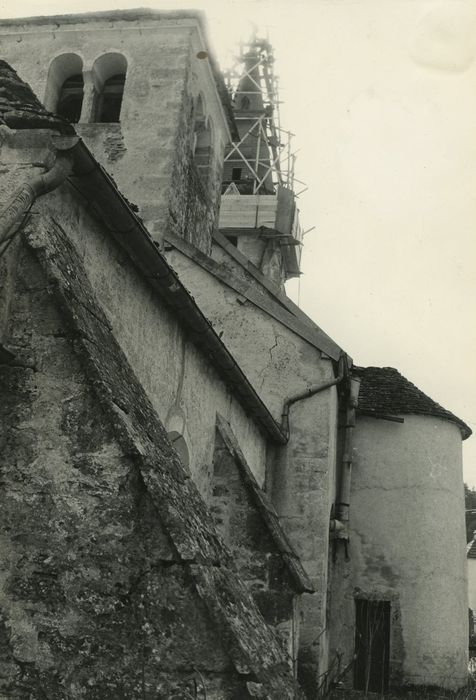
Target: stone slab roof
252, 645
20, 109
384, 390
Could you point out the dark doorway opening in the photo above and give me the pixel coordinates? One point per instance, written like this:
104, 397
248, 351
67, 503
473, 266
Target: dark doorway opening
372, 645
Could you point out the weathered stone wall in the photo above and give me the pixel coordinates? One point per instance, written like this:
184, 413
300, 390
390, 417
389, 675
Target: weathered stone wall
150, 152
95, 600
183, 387
21, 159
114, 582
260, 561
275, 359
303, 492
301, 481
406, 484
194, 193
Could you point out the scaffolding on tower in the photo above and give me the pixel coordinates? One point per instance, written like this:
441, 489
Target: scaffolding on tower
264, 151
258, 210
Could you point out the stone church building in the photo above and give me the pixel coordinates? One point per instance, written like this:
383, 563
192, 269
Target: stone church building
202, 494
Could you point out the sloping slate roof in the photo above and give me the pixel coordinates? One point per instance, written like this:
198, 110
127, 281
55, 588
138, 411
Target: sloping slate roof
384, 390
471, 549
20, 109
267, 511
252, 645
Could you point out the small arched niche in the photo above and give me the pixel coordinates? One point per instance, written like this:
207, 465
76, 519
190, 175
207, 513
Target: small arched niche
109, 76
65, 87
180, 446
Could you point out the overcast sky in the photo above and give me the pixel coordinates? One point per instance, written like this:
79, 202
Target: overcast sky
382, 99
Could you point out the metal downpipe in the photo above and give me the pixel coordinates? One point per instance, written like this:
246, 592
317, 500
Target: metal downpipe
338, 525
311, 391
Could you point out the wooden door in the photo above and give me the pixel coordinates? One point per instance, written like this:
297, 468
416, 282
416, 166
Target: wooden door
372, 645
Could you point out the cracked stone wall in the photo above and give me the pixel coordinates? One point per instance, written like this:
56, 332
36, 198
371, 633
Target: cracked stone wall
406, 483
301, 480
150, 153
276, 360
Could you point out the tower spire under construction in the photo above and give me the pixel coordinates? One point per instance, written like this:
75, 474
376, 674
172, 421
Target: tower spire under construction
258, 210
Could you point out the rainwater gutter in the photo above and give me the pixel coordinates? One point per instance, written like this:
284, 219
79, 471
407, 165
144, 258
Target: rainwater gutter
338, 525
311, 391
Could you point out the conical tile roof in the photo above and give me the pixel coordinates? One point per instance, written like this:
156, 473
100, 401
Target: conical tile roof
384, 390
